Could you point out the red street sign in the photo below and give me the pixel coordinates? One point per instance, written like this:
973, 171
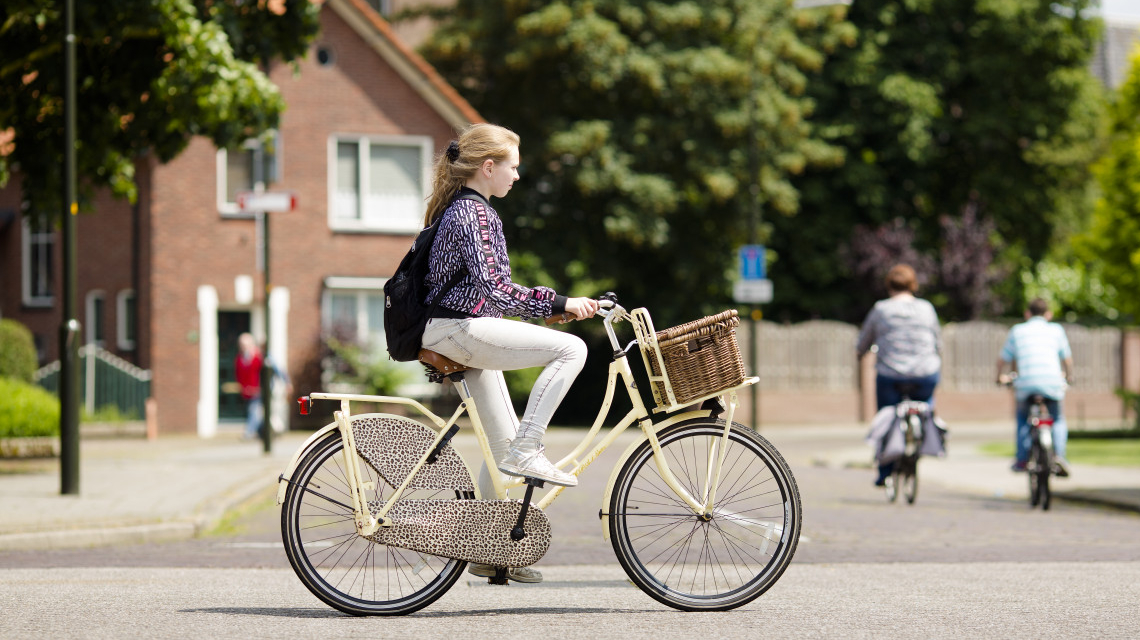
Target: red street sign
268, 201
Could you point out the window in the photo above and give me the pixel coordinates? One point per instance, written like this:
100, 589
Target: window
38, 261
353, 309
383, 7
126, 320
379, 184
96, 318
238, 170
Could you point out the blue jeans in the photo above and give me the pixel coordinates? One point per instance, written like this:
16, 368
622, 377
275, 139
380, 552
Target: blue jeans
493, 345
253, 416
1024, 438
887, 395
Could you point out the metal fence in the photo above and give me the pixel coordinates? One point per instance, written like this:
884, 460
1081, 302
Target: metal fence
820, 355
104, 380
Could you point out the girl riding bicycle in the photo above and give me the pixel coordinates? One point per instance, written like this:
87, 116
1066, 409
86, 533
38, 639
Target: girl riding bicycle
469, 327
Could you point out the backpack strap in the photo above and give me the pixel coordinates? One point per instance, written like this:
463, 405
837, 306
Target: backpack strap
471, 194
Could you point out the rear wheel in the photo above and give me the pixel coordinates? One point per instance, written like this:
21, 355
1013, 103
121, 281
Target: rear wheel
1044, 469
724, 559
343, 569
910, 479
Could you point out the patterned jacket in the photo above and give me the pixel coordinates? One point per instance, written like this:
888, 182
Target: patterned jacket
470, 237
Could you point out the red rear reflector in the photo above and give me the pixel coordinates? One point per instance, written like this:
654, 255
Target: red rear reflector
306, 404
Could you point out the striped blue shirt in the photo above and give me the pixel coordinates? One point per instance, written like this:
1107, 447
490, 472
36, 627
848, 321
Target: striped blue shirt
1037, 346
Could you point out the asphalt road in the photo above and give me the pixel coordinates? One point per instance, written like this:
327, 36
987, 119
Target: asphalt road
956, 564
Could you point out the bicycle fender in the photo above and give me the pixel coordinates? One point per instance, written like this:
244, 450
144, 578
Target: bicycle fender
283, 480
658, 426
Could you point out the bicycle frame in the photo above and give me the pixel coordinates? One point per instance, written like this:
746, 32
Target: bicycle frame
619, 369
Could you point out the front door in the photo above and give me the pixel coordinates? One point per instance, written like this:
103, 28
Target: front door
231, 324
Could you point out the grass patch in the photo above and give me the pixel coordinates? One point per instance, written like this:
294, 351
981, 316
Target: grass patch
232, 522
1108, 452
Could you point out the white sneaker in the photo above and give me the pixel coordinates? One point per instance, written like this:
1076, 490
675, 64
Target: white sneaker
517, 574
526, 459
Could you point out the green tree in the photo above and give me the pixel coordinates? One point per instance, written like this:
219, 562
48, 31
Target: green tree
945, 106
151, 74
1111, 246
639, 121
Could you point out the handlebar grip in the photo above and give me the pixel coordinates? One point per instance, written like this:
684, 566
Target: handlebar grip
558, 319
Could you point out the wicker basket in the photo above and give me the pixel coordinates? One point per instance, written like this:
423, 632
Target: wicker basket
701, 358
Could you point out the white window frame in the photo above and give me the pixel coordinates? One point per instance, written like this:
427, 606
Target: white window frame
361, 288
26, 238
364, 143
228, 208
93, 296
122, 317
419, 387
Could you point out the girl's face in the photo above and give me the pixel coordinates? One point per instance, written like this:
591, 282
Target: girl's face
503, 174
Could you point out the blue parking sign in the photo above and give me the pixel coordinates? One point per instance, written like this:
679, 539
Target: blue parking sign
752, 262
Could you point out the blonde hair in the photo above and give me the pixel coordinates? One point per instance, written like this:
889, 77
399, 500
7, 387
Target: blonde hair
463, 157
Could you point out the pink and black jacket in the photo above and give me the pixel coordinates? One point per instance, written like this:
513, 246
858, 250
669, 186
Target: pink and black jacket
470, 238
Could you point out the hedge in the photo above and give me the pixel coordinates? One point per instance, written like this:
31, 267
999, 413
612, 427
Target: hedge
27, 410
17, 351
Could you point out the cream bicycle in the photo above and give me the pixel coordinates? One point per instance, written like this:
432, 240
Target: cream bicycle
380, 514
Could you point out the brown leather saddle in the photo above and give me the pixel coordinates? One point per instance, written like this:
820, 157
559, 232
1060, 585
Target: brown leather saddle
439, 366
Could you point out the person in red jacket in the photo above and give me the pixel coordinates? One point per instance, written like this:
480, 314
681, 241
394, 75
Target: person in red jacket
247, 370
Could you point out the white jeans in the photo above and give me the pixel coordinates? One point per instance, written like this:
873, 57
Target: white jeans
493, 345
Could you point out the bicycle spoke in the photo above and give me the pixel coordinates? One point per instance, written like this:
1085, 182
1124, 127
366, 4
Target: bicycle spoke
720, 560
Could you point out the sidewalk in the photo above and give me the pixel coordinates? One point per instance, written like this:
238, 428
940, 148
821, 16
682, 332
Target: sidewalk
133, 490
967, 469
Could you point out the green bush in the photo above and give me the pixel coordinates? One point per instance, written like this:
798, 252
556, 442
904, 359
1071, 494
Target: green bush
17, 351
27, 410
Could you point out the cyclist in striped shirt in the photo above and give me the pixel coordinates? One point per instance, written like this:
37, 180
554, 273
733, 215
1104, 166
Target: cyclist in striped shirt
1039, 351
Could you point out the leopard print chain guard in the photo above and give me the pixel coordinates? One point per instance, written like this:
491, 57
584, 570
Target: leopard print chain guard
392, 445
472, 530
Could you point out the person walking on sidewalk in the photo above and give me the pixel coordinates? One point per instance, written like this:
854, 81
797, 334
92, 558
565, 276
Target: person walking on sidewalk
247, 371
1038, 350
909, 340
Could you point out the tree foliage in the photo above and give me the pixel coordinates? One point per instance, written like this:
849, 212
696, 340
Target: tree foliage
945, 106
151, 74
1111, 246
637, 122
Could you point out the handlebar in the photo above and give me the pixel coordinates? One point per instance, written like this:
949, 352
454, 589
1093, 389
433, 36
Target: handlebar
606, 303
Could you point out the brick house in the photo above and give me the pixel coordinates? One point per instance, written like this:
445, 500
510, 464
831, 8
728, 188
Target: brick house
170, 282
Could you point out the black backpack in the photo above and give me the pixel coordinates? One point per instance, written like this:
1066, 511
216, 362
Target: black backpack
405, 314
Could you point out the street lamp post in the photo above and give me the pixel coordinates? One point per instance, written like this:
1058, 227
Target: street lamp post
69, 326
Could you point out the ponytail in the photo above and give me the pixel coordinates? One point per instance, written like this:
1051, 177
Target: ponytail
462, 158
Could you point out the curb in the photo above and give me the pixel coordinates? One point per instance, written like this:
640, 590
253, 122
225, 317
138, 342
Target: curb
203, 520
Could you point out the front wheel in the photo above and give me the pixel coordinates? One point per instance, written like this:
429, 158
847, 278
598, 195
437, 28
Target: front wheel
343, 569
715, 562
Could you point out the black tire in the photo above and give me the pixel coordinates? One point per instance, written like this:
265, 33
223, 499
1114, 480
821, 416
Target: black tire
713, 564
346, 571
1044, 469
894, 480
910, 479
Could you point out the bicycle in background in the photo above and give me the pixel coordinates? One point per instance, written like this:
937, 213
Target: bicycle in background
1041, 454
909, 415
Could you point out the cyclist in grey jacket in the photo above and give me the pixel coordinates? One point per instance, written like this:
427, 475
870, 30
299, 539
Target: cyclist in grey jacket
909, 340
